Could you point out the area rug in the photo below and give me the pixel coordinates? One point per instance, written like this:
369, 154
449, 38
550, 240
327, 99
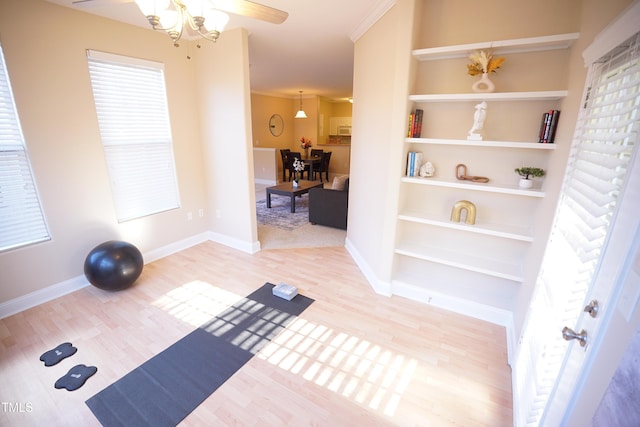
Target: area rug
279, 215
168, 387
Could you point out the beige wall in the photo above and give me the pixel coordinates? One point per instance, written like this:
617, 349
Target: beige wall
44, 46
380, 87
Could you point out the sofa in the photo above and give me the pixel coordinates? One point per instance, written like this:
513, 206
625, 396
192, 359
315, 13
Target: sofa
329, 206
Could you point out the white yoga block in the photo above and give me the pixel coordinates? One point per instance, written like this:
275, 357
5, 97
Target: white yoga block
285, 291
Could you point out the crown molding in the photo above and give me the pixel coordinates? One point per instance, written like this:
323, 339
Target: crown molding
379, 9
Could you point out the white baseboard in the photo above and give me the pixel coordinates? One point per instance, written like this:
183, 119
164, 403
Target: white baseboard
16, 305
241, 245
487, 313
57, 290
378, 286
447, 302
175, 247
265, 181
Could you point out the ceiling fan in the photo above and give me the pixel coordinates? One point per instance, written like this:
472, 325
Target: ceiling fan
237, 7
206, 18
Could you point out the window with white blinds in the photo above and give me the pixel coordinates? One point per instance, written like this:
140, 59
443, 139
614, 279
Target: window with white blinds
133, 116
605, 140
22, 221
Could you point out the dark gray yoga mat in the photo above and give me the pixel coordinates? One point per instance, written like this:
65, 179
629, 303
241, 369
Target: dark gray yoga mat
166, 388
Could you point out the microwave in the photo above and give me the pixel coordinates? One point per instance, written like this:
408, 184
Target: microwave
344, 130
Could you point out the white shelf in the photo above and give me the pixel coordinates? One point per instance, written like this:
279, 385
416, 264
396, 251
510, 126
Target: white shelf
496, 144
547, 95
501, 47
459, 260
496, 230
466, 185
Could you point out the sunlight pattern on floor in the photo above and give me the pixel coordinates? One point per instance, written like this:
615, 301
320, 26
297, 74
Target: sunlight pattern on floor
196, 302
352, 367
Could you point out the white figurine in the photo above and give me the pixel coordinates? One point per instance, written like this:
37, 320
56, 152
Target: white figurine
427, 170
478, 121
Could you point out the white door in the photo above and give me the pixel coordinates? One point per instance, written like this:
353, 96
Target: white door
613, 316
593, 233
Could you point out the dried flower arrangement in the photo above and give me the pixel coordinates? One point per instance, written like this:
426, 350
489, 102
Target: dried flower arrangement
483, 62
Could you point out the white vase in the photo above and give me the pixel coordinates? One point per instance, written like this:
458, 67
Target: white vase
295, 183
483, 85
525, 183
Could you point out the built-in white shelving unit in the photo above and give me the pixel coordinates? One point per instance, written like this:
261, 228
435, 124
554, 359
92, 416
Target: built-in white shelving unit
501, 47
549, 95
473, 186
495, 144
435, 253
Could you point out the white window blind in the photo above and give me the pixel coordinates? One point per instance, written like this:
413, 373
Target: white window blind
133, 116
21, 218
605, 140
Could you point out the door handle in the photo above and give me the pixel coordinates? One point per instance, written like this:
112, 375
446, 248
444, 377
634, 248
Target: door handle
569, 334
592, 308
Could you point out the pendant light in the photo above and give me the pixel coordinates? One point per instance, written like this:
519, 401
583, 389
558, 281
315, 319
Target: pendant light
301, 114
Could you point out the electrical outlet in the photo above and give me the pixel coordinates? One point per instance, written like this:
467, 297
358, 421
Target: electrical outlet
218, 213
200, 213
189, 216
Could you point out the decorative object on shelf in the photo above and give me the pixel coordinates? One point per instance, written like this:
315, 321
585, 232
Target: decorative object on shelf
526, 173
478, 121
483, 63
484, 85
414, 162
305, 144
468, 207
427, 170
461, 174
298, 166
415, 123
548, 127
301, 114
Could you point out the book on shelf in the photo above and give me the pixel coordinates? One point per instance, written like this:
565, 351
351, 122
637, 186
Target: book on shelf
548, 126
415, 123
414, 161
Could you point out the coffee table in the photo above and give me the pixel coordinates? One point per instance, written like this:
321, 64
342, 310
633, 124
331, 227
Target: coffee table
287, 189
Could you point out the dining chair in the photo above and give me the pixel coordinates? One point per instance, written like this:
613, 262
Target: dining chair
284, 152
324, 166
316, 152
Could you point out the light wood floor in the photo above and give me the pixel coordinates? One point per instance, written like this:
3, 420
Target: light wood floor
353, 358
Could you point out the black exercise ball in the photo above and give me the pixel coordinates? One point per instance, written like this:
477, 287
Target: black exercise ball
113, 265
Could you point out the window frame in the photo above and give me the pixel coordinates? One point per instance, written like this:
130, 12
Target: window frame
22, 218
133, 116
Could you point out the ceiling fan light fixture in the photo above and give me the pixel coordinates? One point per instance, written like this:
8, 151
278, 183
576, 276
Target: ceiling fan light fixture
173, 15
215, 20
152, 7
301, 114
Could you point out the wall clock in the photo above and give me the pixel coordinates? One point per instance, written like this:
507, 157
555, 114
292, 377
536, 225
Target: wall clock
276, 125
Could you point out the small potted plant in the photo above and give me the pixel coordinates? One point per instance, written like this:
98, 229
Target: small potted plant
527, 173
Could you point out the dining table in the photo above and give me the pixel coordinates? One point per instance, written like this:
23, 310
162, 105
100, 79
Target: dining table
313, 162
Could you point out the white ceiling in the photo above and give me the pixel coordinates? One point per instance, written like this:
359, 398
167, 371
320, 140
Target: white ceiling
311, 51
